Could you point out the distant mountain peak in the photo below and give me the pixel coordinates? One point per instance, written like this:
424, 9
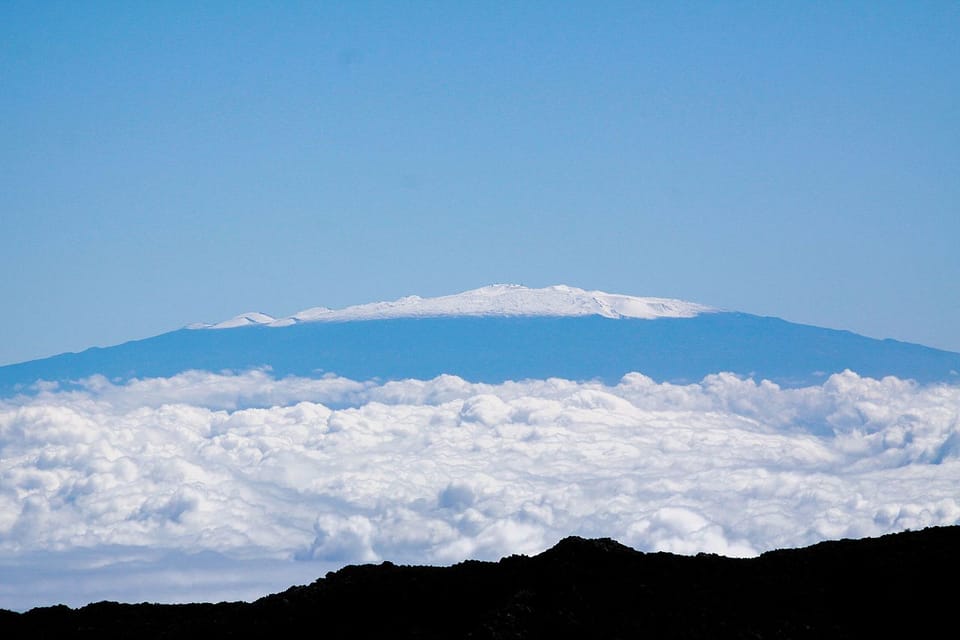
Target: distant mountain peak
492, 300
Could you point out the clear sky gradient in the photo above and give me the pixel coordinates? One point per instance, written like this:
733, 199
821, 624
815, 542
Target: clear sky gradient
166, 163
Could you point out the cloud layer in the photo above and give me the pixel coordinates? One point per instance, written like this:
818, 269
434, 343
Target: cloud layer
205, 486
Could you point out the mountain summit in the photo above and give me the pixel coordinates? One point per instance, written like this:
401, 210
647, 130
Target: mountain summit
493, 300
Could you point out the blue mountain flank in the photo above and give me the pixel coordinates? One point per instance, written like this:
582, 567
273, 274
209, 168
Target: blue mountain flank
494, 349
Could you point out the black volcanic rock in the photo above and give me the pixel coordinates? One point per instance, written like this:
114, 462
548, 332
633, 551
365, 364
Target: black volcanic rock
880, 587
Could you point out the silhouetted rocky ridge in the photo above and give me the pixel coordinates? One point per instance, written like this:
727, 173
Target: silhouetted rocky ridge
894, 585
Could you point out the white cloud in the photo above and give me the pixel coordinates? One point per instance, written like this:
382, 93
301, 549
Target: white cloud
294, 477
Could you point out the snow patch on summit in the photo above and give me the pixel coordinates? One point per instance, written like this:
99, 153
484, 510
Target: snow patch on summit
494, 300
242, 320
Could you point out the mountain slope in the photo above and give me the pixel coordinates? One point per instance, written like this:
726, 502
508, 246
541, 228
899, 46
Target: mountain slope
684, 344
580, 588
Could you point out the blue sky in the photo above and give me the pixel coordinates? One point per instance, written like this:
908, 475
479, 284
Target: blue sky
170, 163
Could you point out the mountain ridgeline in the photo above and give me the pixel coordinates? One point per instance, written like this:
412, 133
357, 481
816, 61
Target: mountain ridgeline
493, 349
581, 588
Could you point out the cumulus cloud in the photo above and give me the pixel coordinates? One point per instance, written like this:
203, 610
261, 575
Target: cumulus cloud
294, 477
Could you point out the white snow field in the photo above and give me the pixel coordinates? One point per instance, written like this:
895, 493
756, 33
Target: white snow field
493, 300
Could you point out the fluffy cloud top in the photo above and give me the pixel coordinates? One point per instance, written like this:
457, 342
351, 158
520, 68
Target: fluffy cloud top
205, 486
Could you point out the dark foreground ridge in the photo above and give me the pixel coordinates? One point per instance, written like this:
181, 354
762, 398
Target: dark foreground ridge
895, 585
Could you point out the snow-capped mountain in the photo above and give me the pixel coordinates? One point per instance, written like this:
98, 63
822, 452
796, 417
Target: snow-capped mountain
488, 423
504, 332
495, 300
